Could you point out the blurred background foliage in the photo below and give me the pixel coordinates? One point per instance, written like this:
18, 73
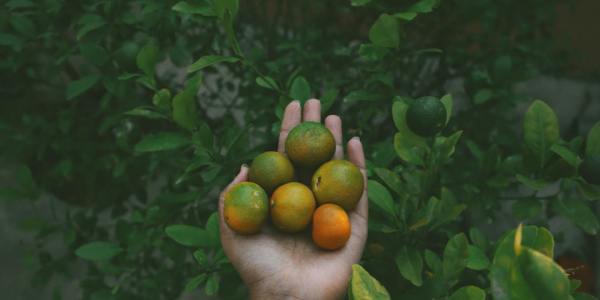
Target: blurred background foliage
123, 120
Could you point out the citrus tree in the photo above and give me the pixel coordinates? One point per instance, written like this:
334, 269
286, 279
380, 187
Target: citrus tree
125, 119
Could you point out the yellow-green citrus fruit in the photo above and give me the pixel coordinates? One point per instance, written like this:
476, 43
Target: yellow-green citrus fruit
339, 182
590, 169
426, 116
245, 207
309, 144
292, 206
270, 170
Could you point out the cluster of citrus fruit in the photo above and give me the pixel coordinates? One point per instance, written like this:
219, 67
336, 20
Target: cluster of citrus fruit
304, 186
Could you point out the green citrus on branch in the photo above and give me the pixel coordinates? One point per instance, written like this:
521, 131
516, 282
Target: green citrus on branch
426, 116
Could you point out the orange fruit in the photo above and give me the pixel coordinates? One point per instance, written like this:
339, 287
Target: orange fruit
245, 207
309, 144
270, 170
339, 182
292, 206
330, 227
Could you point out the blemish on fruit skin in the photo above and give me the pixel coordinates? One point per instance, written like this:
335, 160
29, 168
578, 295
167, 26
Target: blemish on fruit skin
318, 182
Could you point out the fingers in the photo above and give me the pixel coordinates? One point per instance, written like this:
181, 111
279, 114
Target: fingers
291, 118
357, 156
241, 176
334, 124
312, 110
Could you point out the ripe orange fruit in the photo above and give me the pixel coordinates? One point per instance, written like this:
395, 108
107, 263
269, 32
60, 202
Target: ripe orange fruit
270, 170
331, 227
339, 182
292, 206
309, 144
246, 207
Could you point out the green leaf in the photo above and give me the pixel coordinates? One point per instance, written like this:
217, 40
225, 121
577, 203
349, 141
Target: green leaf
184, 105
424, 6
145, 112
590, 191
203, 9
328, 99
545, 278
526, 209
89, 23
212, 228
161, 142
385, 32
391, 179
504, 263
433, 261
188, 235
469, 292
477, 259
583, 296
592, 144
410, 264
300, 89
482, 96
162, 99
267, 82
94, 53
364, 286
193, 283
98, 251
372, 52
11, 40
23, 25
381, 197
359, 2
579, 213
78, 87
456, 254
361, 95
147, 58
448, 103
406, 16
222, 6
566, 154
541, 130
212, 284
210, 60
536, 184
447, 145
425, 215
200, 257
478, 238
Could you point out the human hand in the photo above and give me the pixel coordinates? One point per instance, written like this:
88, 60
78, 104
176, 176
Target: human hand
277, 265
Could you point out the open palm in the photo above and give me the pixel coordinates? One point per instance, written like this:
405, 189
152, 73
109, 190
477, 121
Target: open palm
275, 265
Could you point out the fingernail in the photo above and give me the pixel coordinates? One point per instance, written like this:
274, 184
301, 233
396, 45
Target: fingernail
244, 166
356, 139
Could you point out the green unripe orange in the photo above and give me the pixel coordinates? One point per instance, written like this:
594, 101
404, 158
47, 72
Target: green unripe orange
426, 116
270, 170
339, 182
309, 145
292, 206
245, 207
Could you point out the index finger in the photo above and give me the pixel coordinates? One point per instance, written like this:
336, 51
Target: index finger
291, 118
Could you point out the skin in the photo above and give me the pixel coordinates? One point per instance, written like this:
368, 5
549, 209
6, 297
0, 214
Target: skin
277, 265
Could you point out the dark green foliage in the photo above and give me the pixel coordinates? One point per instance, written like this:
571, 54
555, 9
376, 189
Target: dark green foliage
127, 118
